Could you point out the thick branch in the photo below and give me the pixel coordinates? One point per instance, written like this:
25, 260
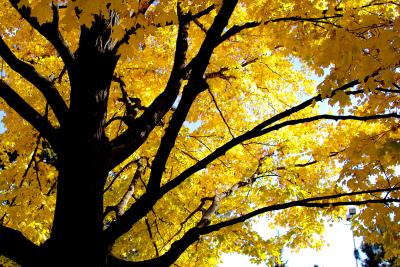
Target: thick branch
307, 202
206, 218
125, 144
194, 234
255, 132
327, 117
28, 113
168, 258
118, 174
129, 193
202, 13
17, 247
168, 140
195, 85
252, 134
144, 203
43, 84
49, 30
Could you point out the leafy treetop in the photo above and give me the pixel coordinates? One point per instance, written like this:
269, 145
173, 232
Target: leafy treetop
195, 117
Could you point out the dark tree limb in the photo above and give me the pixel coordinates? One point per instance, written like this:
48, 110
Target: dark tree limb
255, 132
202, 13
252, 134
194, 234
195, 17
148, 226
40, 123
307, 202
119, 209
145, 202
49, 30
31, 160
131, 139
195, 85
125, 144
220, 113
165, 260
141, 167
216, 199
249, 25
328, 117
200, 25
144, 6
17, 247
118, 174
43, 84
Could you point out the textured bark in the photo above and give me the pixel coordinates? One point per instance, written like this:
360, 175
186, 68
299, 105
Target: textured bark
84, 156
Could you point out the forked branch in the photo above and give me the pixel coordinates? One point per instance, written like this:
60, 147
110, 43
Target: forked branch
15, 101
12, 243
43, 84
49, 30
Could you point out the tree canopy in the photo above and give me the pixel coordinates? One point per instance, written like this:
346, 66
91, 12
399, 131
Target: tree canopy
156, 133
375, 256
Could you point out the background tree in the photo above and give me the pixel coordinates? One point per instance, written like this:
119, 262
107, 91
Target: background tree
375, 256
153, 133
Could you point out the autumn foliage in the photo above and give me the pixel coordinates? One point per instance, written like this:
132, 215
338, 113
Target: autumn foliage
153, 133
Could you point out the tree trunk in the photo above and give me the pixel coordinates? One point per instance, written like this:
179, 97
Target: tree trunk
78, 220
84, 160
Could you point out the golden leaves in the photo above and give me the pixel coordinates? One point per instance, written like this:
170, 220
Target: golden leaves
253, 76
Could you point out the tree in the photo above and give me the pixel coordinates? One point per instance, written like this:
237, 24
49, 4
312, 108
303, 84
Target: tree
153, 133
375, 256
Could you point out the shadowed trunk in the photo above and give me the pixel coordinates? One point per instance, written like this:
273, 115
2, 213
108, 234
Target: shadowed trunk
84, 155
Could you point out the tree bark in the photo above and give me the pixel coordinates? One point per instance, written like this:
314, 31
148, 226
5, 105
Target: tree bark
84, 158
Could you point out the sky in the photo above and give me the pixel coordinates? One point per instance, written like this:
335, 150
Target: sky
338, 251
1, 123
